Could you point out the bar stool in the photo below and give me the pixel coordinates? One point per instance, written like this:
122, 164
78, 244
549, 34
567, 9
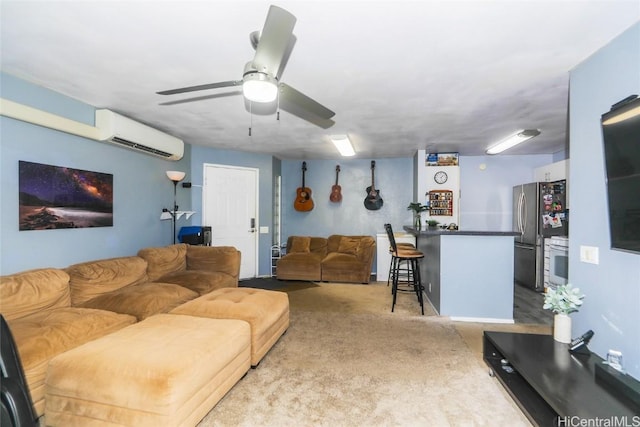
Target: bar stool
410, 256
402, 271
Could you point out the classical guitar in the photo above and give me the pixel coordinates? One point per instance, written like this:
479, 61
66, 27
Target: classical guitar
303, 201
336, 195
373, 201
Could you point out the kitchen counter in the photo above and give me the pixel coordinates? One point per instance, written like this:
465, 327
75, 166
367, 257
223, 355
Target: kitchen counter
468, 274
425, 231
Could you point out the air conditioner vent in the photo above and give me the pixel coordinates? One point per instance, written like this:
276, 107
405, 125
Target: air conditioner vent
137, 146
137, 136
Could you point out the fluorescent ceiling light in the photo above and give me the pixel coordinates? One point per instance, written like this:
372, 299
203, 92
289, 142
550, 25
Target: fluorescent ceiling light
513, 140
259, 87
343, 145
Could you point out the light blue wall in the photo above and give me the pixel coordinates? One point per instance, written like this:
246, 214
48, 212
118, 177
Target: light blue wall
393, 177
487, 183
612, 288
266, 165
141, 188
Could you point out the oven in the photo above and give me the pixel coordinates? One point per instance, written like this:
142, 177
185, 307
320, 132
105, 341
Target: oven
558, 261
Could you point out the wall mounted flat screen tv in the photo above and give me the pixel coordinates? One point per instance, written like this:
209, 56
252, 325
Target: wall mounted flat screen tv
621, 139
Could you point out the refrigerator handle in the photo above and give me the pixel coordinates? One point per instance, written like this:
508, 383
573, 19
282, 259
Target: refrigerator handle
523, 212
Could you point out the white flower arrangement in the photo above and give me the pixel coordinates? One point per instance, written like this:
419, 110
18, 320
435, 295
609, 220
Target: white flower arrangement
564, 299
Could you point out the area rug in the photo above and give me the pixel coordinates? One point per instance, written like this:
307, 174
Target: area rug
346, 360
269, 283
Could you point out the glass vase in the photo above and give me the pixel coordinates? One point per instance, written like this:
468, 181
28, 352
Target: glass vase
417, 221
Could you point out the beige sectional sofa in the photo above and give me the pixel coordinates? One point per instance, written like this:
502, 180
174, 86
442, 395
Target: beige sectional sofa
337, 258
52, 311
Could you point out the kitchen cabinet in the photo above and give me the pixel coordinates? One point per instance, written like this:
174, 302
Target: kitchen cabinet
553, 172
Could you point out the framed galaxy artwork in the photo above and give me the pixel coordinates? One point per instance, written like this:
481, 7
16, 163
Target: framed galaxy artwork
53, 197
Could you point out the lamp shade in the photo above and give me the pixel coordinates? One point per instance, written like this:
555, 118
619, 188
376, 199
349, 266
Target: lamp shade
175, 175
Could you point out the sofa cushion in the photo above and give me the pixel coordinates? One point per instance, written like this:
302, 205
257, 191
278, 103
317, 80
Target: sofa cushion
201, 281
266, 311
299, 244
33, 291
164, 260
339, 267
168, 370
349, 245
94, 278
219, 259
143, 300
43, 335
299, 266
317, 245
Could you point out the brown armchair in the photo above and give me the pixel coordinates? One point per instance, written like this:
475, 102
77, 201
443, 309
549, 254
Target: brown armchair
349, 259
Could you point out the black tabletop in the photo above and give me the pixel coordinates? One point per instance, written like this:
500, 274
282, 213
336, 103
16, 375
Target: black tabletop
564, 380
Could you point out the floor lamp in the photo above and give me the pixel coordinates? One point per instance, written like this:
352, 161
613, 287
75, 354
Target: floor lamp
175, 177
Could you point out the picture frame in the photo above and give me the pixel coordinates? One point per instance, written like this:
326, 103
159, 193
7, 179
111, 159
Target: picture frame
55, 197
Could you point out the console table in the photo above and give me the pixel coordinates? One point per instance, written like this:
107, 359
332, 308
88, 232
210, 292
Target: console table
547, 381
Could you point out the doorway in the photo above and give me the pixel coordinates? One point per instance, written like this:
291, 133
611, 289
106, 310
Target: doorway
230, 208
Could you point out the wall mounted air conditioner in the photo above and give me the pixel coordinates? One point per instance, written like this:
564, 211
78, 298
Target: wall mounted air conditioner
123, 131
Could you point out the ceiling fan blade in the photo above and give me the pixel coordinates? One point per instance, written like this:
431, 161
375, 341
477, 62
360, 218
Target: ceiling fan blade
287, 54
274, 41
201, 87
290, 95
305, 115
202, 98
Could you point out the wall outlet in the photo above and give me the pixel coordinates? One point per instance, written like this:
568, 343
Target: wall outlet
589, 254
264, 230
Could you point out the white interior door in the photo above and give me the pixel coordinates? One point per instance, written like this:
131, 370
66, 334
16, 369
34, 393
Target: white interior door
230, 207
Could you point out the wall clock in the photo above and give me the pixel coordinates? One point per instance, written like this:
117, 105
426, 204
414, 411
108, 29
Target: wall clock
440, 177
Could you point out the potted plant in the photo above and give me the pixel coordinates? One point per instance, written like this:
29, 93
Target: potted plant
432, 223
417, 208
563, 300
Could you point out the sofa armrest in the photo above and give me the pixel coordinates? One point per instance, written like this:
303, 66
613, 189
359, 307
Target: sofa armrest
222, 259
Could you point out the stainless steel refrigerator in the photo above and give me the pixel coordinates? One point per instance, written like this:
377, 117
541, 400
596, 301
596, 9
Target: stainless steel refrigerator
539, 211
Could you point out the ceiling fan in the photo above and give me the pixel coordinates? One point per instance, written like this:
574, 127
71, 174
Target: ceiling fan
261, 77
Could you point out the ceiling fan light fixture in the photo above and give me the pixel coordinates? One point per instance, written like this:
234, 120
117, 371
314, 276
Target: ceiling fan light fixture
513, 140
259, 87
343, 144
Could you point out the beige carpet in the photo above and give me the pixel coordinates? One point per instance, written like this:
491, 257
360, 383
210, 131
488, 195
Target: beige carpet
346, 360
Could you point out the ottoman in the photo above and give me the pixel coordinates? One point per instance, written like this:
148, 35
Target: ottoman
167, 370
266, 311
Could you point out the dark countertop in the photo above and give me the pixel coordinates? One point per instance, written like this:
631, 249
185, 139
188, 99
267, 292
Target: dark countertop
425, 231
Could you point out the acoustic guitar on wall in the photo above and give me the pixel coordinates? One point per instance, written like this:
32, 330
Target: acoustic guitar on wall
336, 190
303, 201
373, 201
